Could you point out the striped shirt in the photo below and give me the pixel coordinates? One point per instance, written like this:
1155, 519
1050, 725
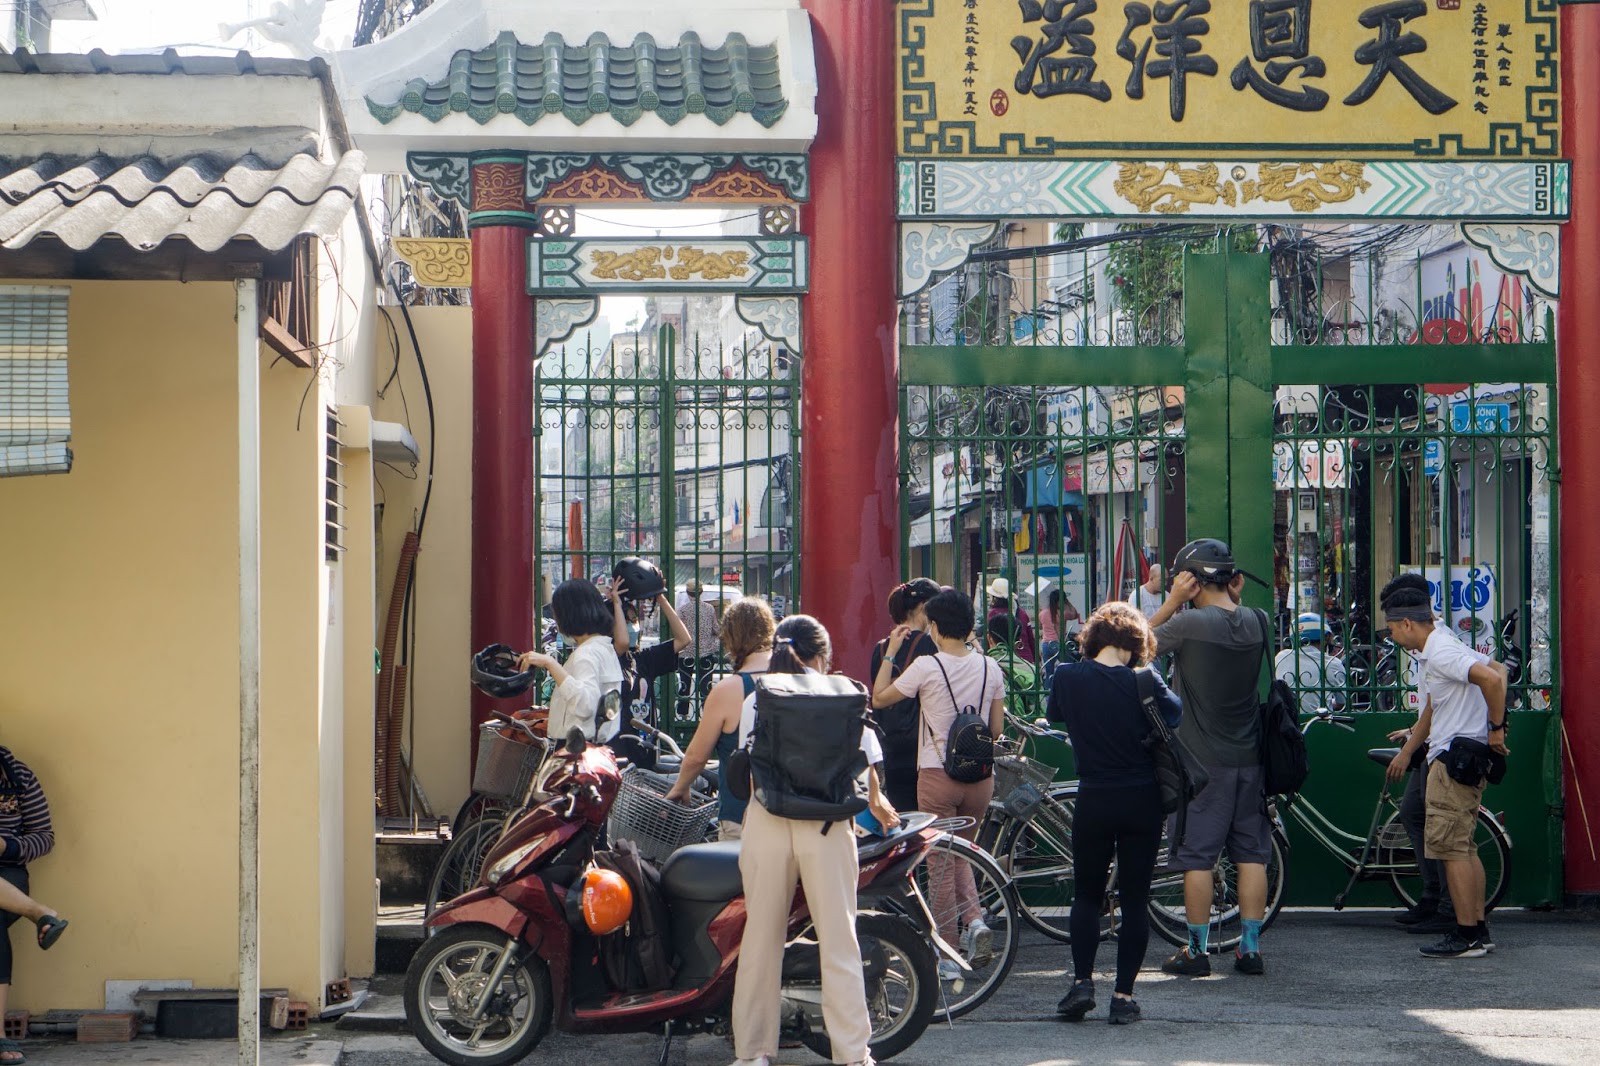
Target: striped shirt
25, 832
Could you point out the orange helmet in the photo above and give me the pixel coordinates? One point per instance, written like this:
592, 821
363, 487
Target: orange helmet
607, 901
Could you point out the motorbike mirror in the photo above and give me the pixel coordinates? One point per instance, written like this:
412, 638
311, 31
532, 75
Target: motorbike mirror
576, 742
610, 706
1336, 703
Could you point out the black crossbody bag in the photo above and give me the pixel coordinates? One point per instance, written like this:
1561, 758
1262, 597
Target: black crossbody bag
1179, 775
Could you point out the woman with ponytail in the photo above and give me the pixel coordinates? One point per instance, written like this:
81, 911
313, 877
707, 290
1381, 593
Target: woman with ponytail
774, 854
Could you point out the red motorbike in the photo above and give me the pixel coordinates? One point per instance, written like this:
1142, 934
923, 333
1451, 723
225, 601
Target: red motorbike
503, 960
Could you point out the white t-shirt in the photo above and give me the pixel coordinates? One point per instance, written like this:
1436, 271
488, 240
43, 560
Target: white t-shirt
1459, 709
747, 722
1149, 602
592, 671
1316, 676
977, 682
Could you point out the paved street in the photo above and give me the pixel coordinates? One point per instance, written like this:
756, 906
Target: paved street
1341, 988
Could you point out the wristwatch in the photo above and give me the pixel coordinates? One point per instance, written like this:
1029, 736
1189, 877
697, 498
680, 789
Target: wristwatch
1497, 727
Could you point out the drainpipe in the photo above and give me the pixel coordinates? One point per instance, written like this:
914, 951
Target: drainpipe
249, 361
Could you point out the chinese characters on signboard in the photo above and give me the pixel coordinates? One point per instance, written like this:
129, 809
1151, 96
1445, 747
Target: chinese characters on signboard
1082, 78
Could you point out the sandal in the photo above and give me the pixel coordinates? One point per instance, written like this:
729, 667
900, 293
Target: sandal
51, 926
13, 1049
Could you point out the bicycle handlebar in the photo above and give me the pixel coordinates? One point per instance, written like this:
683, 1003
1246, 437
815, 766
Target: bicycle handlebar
1322, 714
660, 735
511, 719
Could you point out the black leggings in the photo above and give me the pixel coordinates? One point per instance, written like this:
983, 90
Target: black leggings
1125, 823
17, 875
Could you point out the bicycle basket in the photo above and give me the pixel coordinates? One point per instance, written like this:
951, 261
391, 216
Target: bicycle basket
506, 767
1020, 783
643, 814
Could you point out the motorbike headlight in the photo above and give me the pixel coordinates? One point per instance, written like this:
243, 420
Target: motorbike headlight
510, 860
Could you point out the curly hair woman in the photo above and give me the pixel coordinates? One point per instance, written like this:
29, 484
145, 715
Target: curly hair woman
1119, 805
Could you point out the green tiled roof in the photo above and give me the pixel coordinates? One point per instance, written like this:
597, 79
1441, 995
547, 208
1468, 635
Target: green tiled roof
600, 78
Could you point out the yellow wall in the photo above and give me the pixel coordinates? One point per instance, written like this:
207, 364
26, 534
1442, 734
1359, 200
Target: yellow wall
119, 660
439, 686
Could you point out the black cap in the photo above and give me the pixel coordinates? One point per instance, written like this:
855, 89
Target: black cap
1208, 559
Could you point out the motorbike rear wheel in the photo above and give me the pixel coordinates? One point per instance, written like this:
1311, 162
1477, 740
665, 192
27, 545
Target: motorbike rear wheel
447, 979
904, 995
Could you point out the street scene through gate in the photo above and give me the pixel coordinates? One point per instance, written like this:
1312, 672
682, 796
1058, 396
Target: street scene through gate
786, 531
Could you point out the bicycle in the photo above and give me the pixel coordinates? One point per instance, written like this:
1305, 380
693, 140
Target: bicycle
1384, 853
1028, 827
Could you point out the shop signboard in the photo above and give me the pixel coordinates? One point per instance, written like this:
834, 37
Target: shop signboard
1471, 594
1480, 417
1313, 464
1433, 458
1036, 575
1326, 108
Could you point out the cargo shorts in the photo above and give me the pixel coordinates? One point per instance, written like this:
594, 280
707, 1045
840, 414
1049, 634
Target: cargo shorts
1452, 815
1231, 812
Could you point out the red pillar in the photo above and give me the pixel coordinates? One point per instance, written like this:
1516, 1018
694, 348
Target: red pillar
1579, 390
849, 491
502, 417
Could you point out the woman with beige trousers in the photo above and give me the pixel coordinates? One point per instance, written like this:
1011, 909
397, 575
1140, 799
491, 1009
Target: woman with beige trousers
774, 854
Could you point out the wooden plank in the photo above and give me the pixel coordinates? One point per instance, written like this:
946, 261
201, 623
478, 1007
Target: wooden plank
287, 345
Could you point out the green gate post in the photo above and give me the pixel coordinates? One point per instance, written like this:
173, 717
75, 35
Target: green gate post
1228, 407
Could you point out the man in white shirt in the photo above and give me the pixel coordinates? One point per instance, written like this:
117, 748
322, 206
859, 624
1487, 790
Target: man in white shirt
700, 658
1151, 595
1464, 712
1316, 676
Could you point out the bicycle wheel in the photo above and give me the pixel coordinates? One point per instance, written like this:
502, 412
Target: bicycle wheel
1038, 855
1494, 851
997, 901
462, 862
1170, 918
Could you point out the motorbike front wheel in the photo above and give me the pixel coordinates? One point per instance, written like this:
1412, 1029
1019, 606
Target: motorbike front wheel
452, 974
902, 979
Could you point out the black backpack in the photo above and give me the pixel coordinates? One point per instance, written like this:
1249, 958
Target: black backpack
969, 746
638, 957
805, 750
1285, 763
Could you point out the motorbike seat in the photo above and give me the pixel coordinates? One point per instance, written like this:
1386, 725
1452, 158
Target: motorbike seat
1383, 756
703, 873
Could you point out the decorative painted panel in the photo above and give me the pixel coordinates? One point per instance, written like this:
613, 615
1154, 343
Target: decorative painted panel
1245, 79
719, 264
1334, 189
437, 262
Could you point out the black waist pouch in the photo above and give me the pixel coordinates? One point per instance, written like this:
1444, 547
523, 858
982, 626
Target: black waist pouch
1472, 762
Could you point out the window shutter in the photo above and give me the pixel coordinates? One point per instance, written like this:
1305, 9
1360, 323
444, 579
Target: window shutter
35, 421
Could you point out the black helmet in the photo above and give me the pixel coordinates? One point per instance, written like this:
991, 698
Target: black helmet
640, 580
494, 671
1207, 559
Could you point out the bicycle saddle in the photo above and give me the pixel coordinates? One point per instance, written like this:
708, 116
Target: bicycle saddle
1383, 756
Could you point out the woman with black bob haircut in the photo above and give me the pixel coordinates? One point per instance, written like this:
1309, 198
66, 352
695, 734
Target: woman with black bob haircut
775, 852
945, 684
1119, 804
592, 670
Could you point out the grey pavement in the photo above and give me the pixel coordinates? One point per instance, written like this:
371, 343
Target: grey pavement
1340, 988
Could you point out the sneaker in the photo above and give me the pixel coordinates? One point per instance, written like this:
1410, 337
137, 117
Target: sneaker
868, 1061
1485, 937
1419, 911
949, 971
761, 1060
1454, 947
1123, 1011
1438, 925
1249, 962
1078, 1002
1184, 964
977, 941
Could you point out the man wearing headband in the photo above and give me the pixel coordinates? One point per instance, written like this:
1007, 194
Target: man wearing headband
1464, 712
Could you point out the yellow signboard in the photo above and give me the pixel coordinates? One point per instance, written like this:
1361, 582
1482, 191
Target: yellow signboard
1228, 79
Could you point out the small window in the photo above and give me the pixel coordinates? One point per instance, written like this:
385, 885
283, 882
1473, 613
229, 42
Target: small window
35, 420
333, 492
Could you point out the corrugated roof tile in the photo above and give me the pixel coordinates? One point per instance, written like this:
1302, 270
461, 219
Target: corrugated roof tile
205, 201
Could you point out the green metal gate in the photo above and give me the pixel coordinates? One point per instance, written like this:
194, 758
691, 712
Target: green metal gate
683, 452
1334, 436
